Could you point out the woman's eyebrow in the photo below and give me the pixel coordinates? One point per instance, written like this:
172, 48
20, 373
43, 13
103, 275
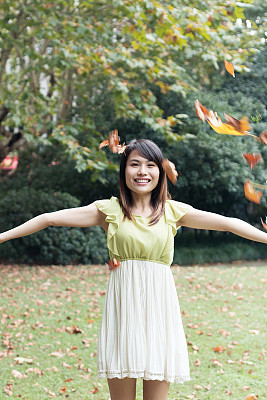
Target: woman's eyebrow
134, 159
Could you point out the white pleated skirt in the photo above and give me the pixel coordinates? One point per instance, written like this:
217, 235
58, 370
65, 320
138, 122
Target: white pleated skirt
141, 334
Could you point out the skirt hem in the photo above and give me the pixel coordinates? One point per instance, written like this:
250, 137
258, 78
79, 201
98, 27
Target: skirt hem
144, 375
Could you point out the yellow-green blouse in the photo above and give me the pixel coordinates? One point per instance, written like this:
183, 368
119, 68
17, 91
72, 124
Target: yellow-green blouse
136, 240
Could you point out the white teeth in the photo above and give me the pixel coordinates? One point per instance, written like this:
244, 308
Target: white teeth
142, 180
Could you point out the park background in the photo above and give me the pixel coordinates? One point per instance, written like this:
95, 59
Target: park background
70, 72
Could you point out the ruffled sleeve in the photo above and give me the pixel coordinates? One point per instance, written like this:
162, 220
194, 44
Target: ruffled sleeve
174, 210
113, 213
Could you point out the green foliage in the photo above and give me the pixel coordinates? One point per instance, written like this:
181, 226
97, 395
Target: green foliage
54, 245
70, 69
219, 248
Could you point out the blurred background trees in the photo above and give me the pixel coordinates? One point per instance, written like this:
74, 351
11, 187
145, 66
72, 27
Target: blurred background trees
73, 70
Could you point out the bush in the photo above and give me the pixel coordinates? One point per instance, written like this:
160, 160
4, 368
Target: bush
54, 245
220, 248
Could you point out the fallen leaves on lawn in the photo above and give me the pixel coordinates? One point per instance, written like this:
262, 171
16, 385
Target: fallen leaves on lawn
219, 349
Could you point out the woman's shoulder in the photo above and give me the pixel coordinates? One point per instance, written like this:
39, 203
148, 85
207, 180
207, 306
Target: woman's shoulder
109, 206
174, 210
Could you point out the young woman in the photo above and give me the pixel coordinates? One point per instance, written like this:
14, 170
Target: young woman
141, 334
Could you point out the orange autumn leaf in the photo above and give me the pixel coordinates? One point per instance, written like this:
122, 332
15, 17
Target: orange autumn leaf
95, 390
251, 194
63, 389
103, 144
219, 349
112, 264
241, 126
170, 170
263, 224
252, 159
201, 111
263, 137
113, 142
251, 397
229, 68
232, 126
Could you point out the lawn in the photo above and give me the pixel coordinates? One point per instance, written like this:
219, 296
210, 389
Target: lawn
50, 317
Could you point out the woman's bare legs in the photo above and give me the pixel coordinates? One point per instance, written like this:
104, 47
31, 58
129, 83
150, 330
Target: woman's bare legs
122, 389
155, 390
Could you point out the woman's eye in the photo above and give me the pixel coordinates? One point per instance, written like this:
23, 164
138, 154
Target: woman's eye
134, 164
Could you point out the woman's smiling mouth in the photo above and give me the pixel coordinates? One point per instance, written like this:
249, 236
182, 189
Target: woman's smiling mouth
142, 181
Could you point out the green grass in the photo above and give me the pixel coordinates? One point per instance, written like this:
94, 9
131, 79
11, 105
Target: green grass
41, 308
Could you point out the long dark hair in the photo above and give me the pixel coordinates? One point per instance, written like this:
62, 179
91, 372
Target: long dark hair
149, 150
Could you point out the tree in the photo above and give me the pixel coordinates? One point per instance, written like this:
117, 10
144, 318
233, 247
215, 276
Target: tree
71, 69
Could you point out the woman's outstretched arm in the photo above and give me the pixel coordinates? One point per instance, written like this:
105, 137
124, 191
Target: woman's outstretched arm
206, 220
75, 217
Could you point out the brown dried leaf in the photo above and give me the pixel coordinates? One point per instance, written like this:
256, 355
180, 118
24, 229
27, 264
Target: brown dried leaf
170, 170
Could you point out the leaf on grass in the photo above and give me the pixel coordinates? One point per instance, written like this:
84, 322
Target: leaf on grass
8, 389
216, 362
251, 397
170, 170
219, 349
18, 374
252, 159
229, 68
95, 390
21, 360
251, 194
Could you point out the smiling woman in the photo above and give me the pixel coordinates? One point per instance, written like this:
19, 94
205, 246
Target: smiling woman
141, 334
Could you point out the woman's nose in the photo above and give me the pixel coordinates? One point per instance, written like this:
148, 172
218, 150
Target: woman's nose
142, 170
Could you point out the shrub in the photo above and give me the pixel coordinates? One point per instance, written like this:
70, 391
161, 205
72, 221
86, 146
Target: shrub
54, 245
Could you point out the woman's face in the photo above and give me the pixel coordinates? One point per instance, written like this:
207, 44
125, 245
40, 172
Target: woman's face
141, 174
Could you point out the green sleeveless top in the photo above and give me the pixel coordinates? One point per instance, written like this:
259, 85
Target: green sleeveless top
136, 240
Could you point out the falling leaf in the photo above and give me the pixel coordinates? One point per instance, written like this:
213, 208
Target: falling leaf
228, 392
245, 388
229, 68
197, 362
170, 170
63, 389
232, 127
201, 111
219, 349
252, 159
113, 142
263, 137
264, 224
252, 194
198, 387
195, 347
112, 264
